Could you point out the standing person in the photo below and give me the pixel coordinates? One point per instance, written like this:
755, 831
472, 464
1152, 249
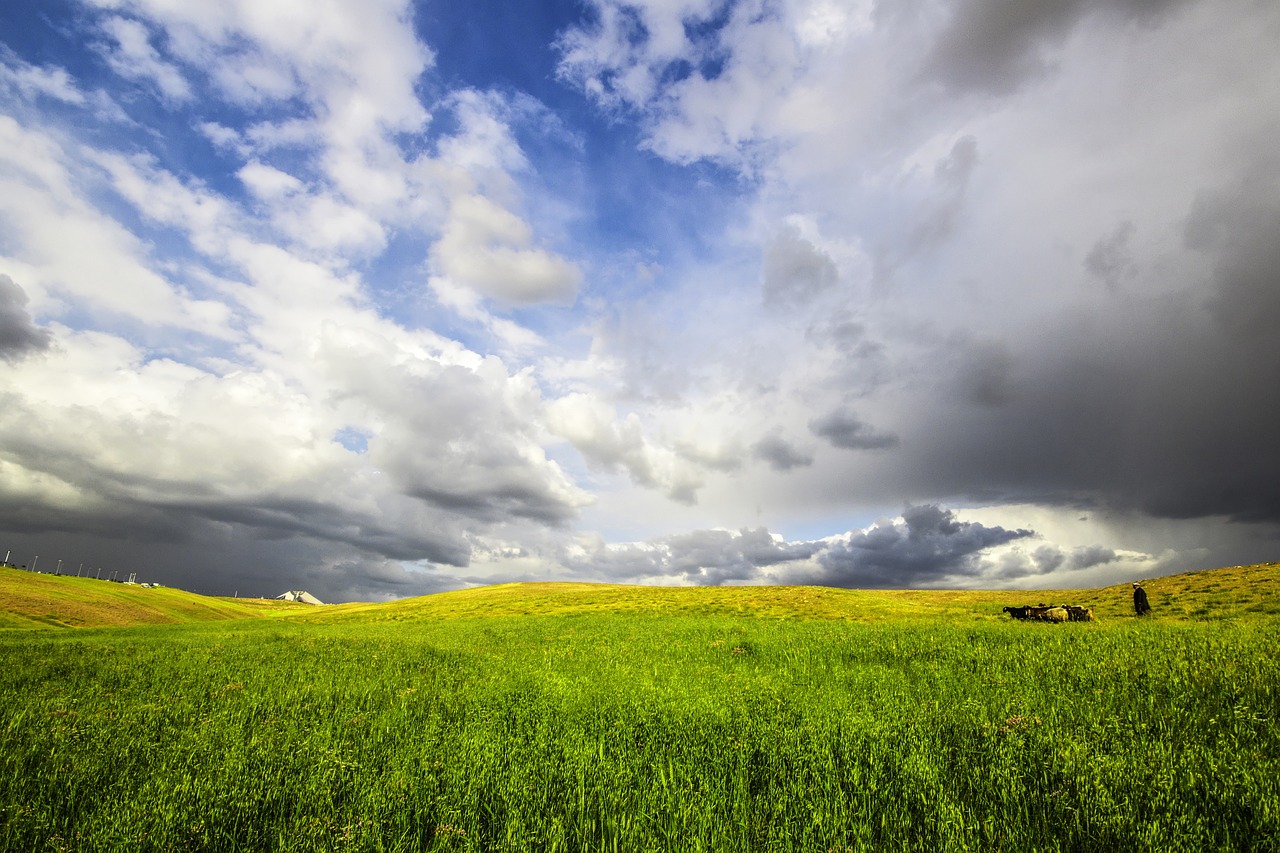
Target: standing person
1140, 603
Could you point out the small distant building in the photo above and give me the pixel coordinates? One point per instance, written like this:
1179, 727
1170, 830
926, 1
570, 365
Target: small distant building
298, 595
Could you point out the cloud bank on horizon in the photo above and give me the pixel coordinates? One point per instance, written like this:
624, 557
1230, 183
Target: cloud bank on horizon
385, 298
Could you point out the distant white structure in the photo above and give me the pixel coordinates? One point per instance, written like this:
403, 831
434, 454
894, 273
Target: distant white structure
298, 595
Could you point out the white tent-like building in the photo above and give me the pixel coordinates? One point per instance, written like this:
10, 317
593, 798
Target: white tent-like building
298, 595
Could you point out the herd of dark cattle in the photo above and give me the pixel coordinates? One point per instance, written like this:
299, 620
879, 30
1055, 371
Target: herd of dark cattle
1051, 613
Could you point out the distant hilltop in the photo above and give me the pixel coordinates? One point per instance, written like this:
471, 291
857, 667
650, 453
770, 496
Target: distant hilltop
299, 595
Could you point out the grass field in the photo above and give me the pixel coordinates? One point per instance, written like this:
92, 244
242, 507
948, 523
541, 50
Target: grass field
587, 718
30, 600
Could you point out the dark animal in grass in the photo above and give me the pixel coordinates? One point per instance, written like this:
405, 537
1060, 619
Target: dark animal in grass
1047, 613
1076, 613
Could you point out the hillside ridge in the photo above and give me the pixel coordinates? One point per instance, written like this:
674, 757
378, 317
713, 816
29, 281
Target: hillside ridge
30, 600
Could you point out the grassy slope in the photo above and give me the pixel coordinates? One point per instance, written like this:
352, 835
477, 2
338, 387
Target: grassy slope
30, 600
1209, 594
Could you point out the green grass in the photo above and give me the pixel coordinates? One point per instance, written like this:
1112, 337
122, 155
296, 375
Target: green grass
29, 600
637, 720
642, 733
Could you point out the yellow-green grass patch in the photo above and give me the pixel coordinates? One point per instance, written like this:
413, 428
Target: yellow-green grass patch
29, 599
32, 600
1209, 594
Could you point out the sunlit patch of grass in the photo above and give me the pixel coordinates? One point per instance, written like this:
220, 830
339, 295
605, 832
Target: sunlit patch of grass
641, 731
580, 717
28, 598
1234, 589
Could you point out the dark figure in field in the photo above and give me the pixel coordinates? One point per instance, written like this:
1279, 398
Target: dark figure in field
1140, 604
1076, 613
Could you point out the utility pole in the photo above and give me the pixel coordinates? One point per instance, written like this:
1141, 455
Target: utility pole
58, 571
79, 570
33, 562
98, 576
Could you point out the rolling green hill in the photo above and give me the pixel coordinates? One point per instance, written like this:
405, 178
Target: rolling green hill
29, 600
578, 718
33, 600
1208, 594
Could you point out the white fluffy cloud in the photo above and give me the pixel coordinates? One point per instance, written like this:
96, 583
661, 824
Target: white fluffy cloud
131, 54
45, 211
252, 430
608, 441
488, 249
32, 81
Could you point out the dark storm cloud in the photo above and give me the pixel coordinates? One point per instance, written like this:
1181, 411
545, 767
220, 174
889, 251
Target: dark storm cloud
270, 518
1239, 227
1048, 559
844, 429
780, 454
227, 563
930, 544
994, 46
1088, 556
523, 497
1167, 406
926, 545
107, 511
19, 334
985, 373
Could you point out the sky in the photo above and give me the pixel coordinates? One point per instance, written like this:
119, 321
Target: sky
386, 298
